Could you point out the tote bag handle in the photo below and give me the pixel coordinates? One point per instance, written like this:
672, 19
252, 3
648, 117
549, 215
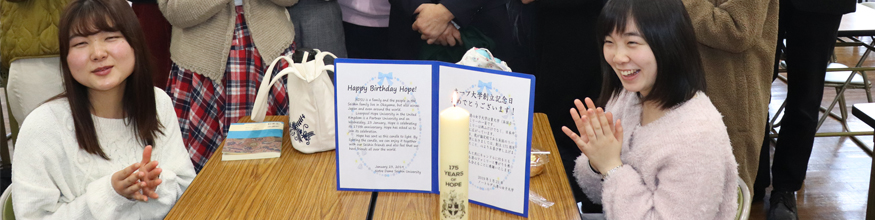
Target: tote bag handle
259, 108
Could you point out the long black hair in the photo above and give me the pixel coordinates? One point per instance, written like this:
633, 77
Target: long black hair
666, 27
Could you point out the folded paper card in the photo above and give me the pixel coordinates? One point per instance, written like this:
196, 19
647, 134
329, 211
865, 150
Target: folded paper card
387, 128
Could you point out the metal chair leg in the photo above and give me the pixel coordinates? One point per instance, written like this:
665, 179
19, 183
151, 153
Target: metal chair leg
13, 127
4, 142
868, 86
844, 112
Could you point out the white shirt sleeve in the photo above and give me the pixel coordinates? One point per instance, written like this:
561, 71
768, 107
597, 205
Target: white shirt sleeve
39, 183
177, 171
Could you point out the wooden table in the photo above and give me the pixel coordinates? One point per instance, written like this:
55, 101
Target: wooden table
552, 184
858, 23
866, 112
294, 186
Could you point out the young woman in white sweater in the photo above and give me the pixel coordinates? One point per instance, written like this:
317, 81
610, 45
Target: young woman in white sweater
667, 155
109, 147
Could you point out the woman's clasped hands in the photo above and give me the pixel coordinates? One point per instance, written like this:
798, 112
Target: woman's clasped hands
601, 138
139, 180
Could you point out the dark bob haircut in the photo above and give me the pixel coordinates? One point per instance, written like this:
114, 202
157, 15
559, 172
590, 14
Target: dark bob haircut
87, 17
665, 26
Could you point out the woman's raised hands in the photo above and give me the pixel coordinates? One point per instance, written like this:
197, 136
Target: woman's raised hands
602, 138
126, 183
149, 174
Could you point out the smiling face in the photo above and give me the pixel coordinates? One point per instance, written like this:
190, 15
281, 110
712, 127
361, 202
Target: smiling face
631, 58
101, 61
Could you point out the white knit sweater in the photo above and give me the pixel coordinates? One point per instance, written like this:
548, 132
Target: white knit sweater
677, 167
53, 179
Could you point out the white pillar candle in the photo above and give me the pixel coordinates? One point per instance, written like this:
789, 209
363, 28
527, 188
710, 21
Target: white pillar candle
454, 128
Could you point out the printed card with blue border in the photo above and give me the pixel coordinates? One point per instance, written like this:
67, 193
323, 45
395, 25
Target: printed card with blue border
387, 128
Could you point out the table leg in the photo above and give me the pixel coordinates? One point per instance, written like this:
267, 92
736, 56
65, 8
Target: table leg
870, 205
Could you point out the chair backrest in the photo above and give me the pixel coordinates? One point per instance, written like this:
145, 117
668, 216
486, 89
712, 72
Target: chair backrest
744, 201
6, 207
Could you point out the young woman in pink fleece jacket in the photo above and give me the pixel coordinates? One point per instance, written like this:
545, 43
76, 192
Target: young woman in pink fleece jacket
667, 155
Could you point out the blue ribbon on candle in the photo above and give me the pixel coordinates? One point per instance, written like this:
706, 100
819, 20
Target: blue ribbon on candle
487, 86
384, 77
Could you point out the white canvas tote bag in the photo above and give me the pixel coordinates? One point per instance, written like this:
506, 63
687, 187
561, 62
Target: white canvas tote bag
311, 101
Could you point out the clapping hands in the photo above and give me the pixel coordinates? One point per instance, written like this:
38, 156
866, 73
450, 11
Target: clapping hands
602, 138
126, 183
138, 185
149, 173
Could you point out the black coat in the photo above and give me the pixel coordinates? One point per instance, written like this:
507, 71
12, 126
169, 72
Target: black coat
825, 6
144, 1
507, 22
569, 59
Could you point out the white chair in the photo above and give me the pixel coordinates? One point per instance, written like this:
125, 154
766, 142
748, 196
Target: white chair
6, 205
835, 79
744, 201
743, 213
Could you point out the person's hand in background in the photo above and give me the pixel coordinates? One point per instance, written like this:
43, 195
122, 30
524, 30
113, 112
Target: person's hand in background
432, 21
450, 37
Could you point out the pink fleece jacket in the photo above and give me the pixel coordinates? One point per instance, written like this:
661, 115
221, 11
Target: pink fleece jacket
680, 166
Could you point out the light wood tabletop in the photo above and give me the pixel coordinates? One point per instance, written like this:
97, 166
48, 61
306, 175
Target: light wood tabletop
858, 23
294, 186
552, 184
865, 112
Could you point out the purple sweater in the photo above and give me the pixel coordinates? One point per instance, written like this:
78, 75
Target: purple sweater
368, 13
678, 167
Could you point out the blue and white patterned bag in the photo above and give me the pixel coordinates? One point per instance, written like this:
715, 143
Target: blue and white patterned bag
481, 57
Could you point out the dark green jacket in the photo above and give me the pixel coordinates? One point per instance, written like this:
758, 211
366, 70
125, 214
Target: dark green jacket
28, 29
